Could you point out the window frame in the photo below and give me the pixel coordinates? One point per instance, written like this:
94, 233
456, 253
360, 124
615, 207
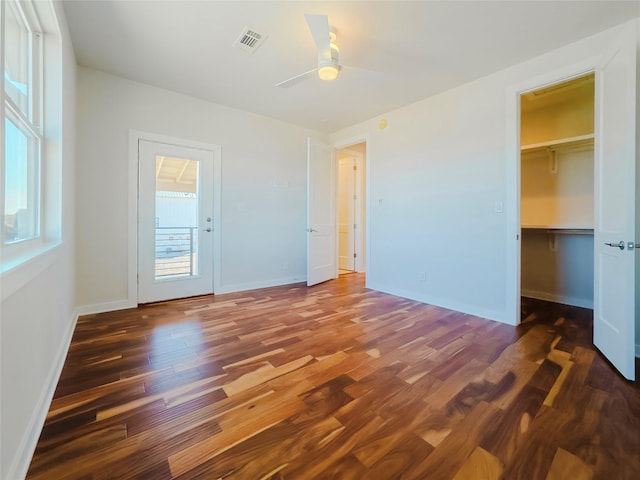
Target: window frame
31, 121
33, 180
22, 262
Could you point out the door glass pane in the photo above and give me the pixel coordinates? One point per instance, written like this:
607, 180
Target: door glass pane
16, 58
21, 183
176, 242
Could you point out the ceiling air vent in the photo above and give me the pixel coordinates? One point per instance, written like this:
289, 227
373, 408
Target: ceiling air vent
250, 40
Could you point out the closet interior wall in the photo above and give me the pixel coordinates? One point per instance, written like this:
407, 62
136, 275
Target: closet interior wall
557, 185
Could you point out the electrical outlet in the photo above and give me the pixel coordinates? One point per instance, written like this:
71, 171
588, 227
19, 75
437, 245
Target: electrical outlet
423, 276
285, 266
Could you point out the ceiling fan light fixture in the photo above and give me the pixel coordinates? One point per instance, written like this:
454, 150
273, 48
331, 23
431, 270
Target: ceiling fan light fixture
324, 36
328, 70
328, 73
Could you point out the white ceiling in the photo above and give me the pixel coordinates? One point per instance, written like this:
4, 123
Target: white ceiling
409, 50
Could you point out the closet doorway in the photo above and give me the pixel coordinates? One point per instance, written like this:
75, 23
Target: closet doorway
557, 192
558, 212
351, 208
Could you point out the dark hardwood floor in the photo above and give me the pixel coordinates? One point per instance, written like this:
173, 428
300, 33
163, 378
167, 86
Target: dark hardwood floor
337, 382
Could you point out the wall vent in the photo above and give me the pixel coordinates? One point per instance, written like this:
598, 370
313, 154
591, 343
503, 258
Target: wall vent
249, 40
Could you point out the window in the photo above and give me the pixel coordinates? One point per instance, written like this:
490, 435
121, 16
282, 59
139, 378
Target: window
21, 192
34, 156
23, 133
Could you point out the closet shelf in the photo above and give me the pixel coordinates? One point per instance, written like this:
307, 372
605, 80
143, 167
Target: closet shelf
562, 229
580, 140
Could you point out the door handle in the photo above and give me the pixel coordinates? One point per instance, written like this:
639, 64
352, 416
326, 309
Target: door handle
620, 245
311, 230
207, 229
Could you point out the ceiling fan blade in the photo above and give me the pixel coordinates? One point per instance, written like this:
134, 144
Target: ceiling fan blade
319, 28
290, 82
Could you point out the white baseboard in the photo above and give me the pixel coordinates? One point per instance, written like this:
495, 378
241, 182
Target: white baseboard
20, 465
498, 316
105, 307
552, 297
241, 287
238, 287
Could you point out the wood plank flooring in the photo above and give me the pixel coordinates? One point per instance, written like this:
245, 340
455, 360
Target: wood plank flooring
336, 382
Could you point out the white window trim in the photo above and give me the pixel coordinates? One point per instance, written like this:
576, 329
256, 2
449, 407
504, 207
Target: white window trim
31, 122
29, 258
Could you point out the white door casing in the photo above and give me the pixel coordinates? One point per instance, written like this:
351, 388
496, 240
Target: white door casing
162, 273
360, 214
321, 213
346, 213
615, 215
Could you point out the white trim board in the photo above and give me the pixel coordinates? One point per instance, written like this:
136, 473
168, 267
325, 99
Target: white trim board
563, 299
242, 287
132, 222
20, 464
512, 187
105, 307
493, 315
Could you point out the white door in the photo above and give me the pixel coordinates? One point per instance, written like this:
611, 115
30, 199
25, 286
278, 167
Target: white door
175, 213
614, 301
321, 213
346, 213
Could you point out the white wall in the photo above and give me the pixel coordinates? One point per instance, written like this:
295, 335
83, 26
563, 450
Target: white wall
562, 275
436, 174
263, 184
38, 318
570, 118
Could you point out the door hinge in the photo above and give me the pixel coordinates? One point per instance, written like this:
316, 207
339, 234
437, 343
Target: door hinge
355, 255
355, 168
138, 278
354, 226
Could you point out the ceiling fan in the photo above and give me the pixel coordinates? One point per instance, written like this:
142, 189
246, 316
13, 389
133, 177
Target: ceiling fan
324, 37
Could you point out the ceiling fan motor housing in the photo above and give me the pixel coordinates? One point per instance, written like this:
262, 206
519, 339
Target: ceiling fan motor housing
334, 60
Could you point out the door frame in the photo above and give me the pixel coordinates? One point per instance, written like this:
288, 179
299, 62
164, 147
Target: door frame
133, 190
358, 237
513, 240
366, 181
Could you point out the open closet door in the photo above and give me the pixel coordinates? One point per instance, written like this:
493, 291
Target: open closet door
321, 212
615, 216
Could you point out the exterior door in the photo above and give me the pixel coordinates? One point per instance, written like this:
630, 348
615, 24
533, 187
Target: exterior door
321, 213
175, 211
346, 213
614, 293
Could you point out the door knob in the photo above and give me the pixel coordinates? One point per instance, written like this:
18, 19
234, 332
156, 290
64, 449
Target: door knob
207, 229
620, 245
